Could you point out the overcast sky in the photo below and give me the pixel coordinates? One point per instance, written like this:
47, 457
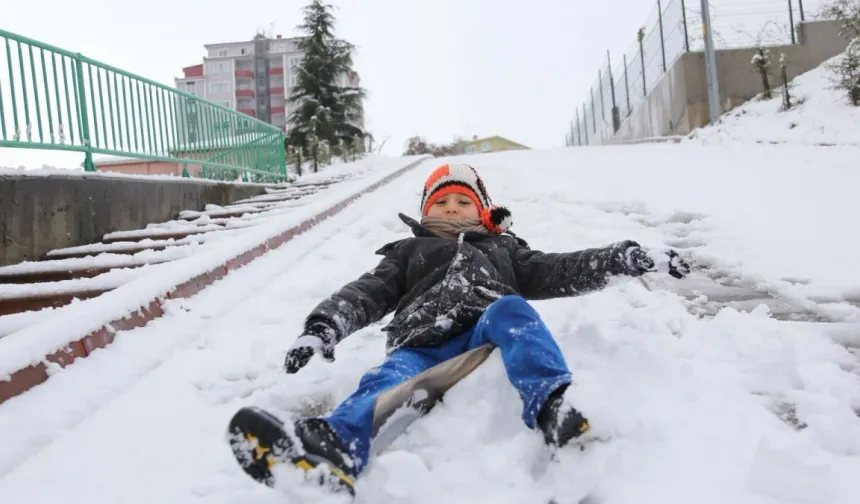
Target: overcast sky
436, 68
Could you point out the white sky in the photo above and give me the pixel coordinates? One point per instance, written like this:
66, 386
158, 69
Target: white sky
437, 68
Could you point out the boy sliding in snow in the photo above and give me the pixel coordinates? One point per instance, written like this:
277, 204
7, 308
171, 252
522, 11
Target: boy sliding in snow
461, 282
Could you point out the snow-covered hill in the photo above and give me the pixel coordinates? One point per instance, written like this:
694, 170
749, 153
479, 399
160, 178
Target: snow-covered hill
821, 115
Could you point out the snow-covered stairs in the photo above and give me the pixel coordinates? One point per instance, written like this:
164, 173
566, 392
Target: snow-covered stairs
80, 299
87, 271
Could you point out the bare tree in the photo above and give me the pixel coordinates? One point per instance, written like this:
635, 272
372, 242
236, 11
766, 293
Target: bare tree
418, 145
761, 65
847, 12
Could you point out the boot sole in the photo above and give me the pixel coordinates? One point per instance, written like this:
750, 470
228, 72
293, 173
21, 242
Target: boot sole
259, 443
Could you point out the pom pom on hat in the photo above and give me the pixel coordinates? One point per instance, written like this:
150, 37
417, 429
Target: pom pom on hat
497, 219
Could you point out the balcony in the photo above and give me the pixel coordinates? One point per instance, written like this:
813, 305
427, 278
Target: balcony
276, 70
248, 111
244, 93
248, 74
277, 91
277, 109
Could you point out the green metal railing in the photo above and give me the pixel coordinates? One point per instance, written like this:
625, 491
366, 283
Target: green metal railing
54, 99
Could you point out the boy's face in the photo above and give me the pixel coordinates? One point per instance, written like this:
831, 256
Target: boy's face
454, 206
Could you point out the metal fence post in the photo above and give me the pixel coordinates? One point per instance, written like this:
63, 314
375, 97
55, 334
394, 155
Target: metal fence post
626, 86
802, 15
662, 38
585, 123
593, 112
600, 89
791, 22
616, 117
82, 114
641, 36
686, 33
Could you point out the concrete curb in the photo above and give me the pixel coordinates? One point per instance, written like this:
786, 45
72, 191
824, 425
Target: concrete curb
648, 140
24, 379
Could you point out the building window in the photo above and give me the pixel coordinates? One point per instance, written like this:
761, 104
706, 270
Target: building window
295, 61
218, 67
294, 80
485, 147
224, 104
219, 87
222, 53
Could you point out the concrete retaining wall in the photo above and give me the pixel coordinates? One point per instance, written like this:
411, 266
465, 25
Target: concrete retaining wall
679, 102
42, 213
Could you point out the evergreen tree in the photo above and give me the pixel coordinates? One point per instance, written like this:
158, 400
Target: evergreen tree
326, 112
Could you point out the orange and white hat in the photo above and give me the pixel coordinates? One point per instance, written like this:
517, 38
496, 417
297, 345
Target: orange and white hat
462, 178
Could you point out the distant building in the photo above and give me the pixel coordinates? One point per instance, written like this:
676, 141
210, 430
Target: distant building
488, 144
254, 77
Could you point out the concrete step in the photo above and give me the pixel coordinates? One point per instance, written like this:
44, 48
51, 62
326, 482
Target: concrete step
59, 274
31, 302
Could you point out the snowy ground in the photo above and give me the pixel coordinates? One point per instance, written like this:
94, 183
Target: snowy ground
821, 115
704, 401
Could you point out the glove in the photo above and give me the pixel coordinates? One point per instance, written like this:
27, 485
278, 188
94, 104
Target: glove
319, 337
669, 261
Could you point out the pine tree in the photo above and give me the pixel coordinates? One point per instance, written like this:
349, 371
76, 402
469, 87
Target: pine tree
327, 113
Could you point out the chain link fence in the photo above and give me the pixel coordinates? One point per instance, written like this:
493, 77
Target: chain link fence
673, 28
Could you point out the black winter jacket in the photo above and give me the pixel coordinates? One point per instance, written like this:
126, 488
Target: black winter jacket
439, 287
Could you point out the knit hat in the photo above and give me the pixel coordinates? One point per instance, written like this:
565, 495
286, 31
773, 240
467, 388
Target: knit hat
462, 178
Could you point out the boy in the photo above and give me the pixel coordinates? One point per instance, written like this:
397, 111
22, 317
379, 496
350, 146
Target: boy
459, 284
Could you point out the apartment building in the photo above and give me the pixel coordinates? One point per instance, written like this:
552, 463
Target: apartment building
254, 77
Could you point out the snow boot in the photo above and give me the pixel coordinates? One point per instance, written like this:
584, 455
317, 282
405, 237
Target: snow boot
560, 422
260, 441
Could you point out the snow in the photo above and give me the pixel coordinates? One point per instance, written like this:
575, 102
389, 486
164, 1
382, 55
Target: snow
702, 400
105, 281
149, 231
70, 323
820, 115
91, 262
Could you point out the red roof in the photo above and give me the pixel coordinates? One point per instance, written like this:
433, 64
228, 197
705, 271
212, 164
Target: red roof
193, 71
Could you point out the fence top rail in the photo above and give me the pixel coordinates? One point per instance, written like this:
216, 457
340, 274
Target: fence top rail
84, 59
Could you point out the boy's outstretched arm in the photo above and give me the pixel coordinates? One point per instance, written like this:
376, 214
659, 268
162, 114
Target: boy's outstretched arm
542, 275
354, 306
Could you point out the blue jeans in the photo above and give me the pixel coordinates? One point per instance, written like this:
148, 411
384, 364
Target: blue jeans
533, 362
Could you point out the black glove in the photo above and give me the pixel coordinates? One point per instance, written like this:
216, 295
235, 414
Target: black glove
318, 337
641, 262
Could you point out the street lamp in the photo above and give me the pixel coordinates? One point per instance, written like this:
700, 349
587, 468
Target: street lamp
710, 65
